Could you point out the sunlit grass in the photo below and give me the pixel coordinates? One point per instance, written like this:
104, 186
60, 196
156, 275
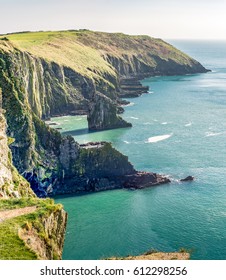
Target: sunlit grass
12, 247
84, 51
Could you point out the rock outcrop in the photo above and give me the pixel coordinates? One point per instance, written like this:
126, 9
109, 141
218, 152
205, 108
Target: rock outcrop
188, 178
101, 167
103, 114
157, 256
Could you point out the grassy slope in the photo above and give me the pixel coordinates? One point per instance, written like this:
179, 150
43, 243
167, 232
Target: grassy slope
51, 46
83, 51
11, 246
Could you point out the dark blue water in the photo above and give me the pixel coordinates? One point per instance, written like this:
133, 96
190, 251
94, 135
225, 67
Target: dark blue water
179, 129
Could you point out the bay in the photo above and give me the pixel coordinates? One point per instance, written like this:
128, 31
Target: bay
179, 129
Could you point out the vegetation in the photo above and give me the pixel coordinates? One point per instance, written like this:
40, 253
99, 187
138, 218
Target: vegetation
12, 247
85, 51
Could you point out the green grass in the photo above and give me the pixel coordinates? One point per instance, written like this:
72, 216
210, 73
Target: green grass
84, 50
63, 48
11, 246
9, 204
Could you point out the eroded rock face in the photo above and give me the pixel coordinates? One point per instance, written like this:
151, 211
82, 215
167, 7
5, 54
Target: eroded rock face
101, 167
6, 179
11, 183
50, 247
103, 114
35, 88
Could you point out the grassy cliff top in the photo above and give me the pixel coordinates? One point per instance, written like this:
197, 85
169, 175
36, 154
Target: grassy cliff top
12, 246
84, 50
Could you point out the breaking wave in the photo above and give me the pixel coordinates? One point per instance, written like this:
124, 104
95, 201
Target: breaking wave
158, 138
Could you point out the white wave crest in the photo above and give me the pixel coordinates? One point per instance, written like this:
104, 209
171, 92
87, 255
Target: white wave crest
158, 138
134, 118
127, 142
128, 105
164, 123
209, 134
188, 124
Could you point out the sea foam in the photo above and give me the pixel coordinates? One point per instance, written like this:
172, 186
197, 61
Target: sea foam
209, 134
158, 138
128, 105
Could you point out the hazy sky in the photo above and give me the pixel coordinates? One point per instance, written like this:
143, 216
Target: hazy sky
198, 19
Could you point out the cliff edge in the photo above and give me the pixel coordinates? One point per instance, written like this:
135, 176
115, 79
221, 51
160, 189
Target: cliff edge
30, 228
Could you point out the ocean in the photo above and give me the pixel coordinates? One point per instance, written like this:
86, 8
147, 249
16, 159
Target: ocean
179, 129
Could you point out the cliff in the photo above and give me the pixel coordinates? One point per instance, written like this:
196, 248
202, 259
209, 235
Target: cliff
86, 72
52, 163
11, 183
30, 228
44, 74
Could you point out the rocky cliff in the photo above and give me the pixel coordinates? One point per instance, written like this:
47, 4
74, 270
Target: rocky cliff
86, 72
30, 228
45, 236
11, 183
44, 74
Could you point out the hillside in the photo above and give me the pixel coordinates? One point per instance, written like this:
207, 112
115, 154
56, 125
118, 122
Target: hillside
87, 72
45, 74
30, 228
89, 53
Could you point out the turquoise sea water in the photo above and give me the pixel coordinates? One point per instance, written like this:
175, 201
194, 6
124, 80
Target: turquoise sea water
186, 115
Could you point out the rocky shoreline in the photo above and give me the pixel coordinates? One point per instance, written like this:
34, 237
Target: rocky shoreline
37, 85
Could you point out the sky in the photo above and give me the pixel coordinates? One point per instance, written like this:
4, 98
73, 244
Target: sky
172, 19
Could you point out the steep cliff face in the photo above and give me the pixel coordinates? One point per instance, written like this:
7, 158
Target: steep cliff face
34, 227
72, 72
47, 239
56, 73
102, 114
52, 163
11, 183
